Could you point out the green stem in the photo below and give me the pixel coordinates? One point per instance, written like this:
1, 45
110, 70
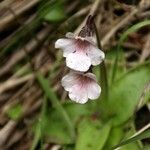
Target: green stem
115, 66
103, 72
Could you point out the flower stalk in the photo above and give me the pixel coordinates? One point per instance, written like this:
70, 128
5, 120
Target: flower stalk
81, 53
103, 71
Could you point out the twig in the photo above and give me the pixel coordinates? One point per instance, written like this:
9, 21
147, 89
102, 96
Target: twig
126, 20
15, 82
146, 49
24, 6
6, 131
20, 54
145, 14
15, 138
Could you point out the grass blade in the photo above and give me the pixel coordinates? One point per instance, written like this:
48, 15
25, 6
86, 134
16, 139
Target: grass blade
55, 102
143, 135
134, 28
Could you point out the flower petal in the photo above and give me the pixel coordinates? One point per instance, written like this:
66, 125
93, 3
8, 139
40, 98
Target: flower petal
93, 90
96, 55
68, 81
78, 94
91, 75
67, 45
78, 61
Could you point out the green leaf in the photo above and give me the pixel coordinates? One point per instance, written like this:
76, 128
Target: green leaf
55, 14
54, 126
39, 127
114, 138
55, 129
125, 93
15, 112
68, 147
143, 135
37, 136
92, 135
50, 94
146, 147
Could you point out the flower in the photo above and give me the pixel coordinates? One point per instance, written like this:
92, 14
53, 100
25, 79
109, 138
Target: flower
80, 51
81, 86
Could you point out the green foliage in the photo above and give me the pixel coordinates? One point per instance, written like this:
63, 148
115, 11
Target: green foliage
37, 136
59, 122
125, 93
123, 37
39, 126
92, 135
146, 147
55, 102
54, 126
15, 112
115, 136
121, 69
55, 14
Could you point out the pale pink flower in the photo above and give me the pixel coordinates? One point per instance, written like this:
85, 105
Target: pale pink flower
80, 51
81, 86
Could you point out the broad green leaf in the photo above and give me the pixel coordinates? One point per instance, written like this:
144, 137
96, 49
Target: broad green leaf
77, 111
125, 93
146, 147
15, 112
55, 129
92, 135
55, 14
54, 126
114, 138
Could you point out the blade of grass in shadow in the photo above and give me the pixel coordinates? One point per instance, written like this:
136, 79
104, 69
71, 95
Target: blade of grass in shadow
19, 38
143, 135
44, 83
38, 132
37, 137
134, 28
103, 71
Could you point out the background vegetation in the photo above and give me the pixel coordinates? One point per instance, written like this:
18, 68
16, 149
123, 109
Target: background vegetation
35, 112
